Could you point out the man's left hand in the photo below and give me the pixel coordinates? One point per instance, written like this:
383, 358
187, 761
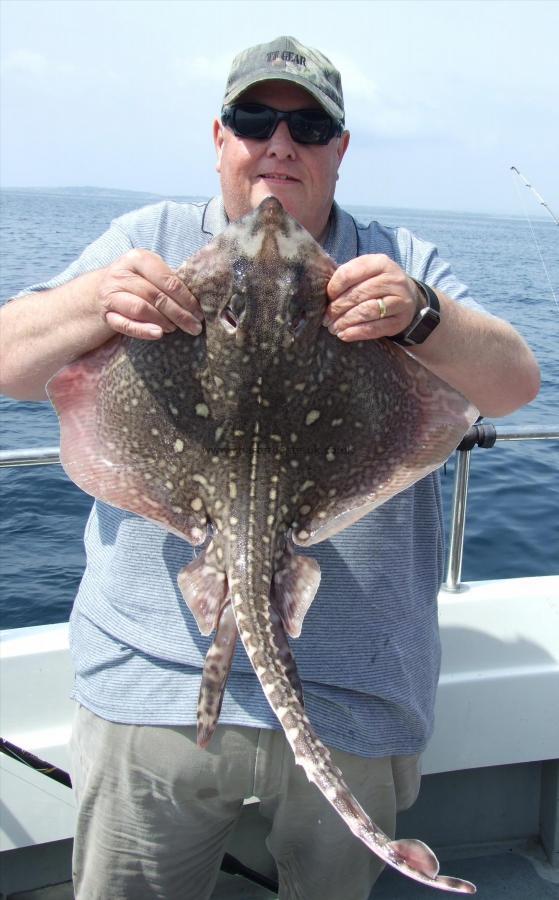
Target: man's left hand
370, 297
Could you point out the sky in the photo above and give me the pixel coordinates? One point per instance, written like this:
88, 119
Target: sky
442, 96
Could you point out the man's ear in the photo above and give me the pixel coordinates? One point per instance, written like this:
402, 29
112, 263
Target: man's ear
218, 142
343, 145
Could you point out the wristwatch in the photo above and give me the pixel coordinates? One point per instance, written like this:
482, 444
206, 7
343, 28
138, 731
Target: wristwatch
424, 322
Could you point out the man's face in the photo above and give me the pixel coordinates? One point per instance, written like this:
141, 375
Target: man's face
301, 176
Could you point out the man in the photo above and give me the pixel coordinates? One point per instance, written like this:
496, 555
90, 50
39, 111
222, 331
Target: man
154, 810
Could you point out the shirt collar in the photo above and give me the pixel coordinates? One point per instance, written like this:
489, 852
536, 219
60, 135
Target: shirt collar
214, 220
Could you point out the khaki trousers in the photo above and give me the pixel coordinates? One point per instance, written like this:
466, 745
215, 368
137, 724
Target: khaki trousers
155, 812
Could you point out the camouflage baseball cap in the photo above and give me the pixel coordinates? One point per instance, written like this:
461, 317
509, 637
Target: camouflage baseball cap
285, 59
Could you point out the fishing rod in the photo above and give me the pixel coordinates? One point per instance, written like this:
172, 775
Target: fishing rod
546, 206
229, 864
34, 762
538, 197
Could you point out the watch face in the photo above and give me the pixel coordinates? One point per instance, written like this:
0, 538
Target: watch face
422, 327
424, 323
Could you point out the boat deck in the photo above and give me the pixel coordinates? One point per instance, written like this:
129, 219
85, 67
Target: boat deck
510, 875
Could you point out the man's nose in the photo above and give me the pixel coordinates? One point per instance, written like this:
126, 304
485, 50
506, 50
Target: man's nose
281, 143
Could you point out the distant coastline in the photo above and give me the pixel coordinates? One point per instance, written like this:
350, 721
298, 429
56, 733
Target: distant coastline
85, 191
90, 191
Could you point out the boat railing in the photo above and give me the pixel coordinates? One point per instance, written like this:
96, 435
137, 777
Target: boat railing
482, 435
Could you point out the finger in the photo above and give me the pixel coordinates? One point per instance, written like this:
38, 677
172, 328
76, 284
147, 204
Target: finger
366, 331
356, 271
166, 282
145, 331
366, 311
131, 305
130, 282
393, 311
141, 301
186, 319
371, 289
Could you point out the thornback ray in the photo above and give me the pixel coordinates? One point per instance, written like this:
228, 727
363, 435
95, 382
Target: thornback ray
262, 433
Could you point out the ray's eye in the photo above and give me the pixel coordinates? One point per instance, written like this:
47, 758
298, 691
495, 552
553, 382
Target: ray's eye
228, 319
233, 313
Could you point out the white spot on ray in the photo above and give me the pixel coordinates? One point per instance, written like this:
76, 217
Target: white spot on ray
202, 410
178, 445
291, 245
312, 416
196, 504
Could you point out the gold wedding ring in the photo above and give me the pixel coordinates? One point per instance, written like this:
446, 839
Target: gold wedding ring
382, 308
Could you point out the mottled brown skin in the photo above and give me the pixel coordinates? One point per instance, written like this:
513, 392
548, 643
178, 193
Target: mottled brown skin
264, 432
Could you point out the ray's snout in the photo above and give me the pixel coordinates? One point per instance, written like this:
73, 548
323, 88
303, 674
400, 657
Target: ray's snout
271, 212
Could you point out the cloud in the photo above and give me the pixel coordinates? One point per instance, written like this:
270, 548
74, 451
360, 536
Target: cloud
27, 61
205, 69
354, 81
37, 65
376, 109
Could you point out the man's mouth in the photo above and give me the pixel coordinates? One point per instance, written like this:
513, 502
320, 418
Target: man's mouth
277, 176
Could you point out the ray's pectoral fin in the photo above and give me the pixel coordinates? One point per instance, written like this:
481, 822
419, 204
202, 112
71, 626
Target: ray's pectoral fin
393, 444
96, 448
214, 676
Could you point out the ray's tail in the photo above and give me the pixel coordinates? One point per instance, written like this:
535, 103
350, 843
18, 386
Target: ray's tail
264, 639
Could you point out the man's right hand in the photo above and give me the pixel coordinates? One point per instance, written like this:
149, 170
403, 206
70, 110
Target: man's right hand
142, 297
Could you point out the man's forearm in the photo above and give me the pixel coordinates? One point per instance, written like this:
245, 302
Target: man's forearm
482, 357
40, 333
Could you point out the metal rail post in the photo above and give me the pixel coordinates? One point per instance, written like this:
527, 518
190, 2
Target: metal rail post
457, 522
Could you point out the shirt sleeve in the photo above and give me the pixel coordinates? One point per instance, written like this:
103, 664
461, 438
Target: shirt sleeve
422, 261
102, 252
419, 258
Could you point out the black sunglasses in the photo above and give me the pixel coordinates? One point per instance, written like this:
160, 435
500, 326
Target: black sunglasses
256, 121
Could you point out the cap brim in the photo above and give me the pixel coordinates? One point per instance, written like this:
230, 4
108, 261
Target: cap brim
244, 84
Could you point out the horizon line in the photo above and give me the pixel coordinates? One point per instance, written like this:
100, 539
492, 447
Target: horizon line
345, 203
